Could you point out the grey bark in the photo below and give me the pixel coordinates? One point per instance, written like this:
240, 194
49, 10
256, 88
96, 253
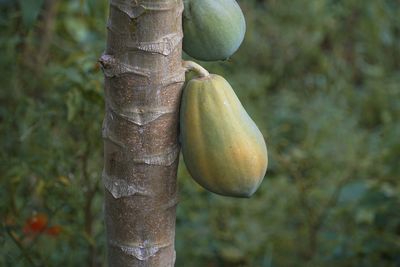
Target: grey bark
143, 83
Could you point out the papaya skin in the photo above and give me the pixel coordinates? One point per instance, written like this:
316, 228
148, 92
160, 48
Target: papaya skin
222, 147
212, 29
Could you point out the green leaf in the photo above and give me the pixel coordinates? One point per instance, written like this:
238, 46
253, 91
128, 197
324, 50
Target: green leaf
30, 10
352, 192
74, 103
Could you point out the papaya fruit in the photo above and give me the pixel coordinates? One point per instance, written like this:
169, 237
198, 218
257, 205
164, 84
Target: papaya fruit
222, 147
212, 29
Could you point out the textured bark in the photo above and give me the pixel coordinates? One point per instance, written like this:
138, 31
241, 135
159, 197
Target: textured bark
143, 82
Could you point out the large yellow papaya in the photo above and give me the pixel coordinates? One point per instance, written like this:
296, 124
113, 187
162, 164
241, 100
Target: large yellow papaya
222, 147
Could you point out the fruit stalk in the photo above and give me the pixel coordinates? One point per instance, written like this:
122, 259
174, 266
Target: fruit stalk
193, 66
143, 84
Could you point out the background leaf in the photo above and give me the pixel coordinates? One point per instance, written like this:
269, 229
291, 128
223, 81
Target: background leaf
30, 10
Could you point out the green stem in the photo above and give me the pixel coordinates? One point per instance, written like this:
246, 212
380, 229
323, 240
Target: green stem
23, 250
193, 66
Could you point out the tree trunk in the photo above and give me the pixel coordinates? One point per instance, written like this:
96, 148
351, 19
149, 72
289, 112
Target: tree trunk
143, 83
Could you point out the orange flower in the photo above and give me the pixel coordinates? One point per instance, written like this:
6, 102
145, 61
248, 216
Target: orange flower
36, 224
54, 230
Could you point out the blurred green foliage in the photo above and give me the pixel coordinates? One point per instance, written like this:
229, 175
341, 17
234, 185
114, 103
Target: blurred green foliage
320, 78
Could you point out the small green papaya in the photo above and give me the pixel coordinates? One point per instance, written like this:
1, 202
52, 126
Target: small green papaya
222, 147
212, 29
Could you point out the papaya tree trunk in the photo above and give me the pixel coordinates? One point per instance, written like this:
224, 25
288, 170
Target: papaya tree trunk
143, 83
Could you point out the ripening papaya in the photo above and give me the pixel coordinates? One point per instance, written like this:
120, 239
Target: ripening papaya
212, 29
222, 147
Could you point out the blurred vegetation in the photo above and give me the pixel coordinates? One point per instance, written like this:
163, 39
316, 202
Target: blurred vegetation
320, 78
